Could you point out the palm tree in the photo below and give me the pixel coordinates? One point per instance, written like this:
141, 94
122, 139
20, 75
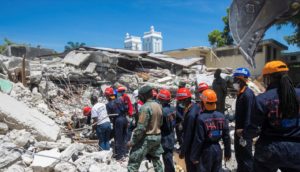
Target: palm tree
73, 45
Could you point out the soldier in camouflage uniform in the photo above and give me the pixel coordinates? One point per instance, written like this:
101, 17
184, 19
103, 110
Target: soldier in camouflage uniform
146, 139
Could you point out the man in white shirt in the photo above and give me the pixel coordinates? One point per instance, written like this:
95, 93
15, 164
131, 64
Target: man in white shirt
101, 123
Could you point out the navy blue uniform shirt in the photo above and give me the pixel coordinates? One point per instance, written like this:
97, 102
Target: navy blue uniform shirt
245, 106
211, 127
269, 119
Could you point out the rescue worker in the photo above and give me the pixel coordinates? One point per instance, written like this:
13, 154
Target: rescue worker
87, 113
211, 127
117, 106
179, 117
167, 129
220, 87
121, 93
137, 106
127, 101
146, 139
101, 123
191, 111
202, 86
277, 116
245, 105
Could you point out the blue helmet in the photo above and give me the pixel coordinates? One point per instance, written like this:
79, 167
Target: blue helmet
241, 72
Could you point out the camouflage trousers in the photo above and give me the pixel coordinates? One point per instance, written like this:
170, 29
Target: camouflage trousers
150, 146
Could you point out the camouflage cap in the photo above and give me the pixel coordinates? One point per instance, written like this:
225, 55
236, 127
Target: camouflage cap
145, 89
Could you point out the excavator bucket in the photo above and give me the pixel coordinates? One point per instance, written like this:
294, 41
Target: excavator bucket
249, 20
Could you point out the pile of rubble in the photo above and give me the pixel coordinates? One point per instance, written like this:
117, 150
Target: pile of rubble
35, 119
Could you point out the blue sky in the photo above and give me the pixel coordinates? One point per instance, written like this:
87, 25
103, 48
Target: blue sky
52, 23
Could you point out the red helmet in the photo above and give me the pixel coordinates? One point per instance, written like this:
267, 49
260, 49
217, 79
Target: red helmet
109, 91
154, 93
164, 95
202, 86
87, 110
183, 93
121, 88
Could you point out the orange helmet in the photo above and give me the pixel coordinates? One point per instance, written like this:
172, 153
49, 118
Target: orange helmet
202, 86
109, 91
121, 88
87, 110
183, 93
164, 95
274, 67
209, 98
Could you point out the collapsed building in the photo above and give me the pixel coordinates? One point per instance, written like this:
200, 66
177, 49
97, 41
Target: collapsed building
41, 122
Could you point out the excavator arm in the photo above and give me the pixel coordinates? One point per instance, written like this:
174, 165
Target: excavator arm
250, 19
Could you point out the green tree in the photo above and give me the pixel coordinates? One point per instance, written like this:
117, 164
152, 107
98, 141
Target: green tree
73, 45
6, 42
216, 39
221, 38
294, 38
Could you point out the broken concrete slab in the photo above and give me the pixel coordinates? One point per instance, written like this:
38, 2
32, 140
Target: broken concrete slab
8, 157
76, 58
42, 162
72, 149
91, 68
25, 117
165, 79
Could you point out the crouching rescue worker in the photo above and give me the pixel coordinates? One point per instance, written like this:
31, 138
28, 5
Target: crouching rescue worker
146, 139
117, 106
87, 113
211, 127
278, 146
101, 123
190, 113
167, 129
245, 105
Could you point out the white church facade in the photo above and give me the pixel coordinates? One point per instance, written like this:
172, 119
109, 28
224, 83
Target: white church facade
152, 41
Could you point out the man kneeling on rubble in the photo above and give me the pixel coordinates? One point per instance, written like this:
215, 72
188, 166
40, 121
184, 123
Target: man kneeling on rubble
117, 106
101, 123
211, 126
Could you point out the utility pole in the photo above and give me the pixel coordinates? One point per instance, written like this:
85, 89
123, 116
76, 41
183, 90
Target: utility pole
24, 71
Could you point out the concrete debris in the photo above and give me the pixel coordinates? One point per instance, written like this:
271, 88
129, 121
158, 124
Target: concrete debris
64, 166
43, 162
24, 117
16, 168
20, 137
48, 119
71, 150
90, 68
8, 157
27, 159
3, 128
84, 163
44, 145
